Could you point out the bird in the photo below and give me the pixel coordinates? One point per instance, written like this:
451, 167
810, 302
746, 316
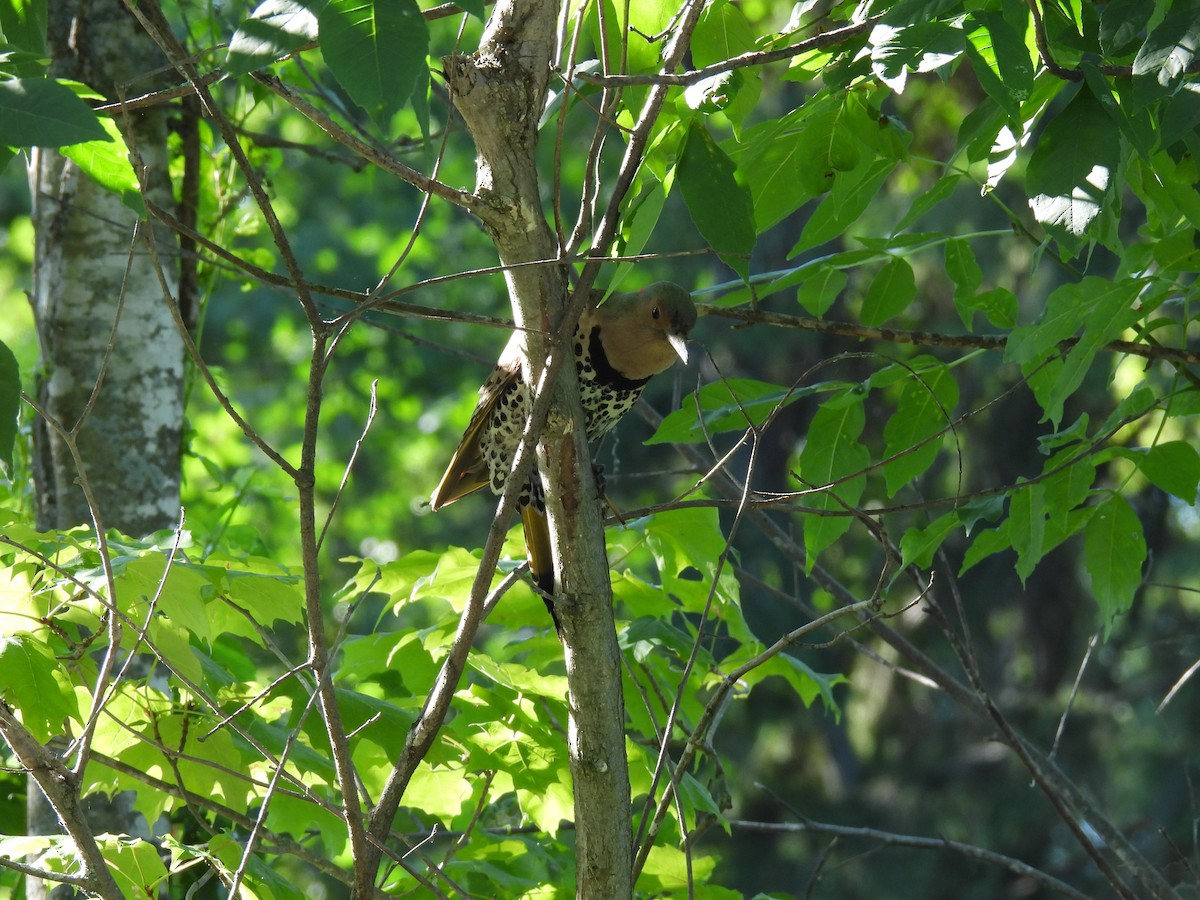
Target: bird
618, 346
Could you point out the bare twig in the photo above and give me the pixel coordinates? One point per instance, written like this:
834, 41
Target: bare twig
891, 838
1179, 355
374, 155
754, 58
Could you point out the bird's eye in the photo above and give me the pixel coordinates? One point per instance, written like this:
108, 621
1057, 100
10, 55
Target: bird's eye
654, 313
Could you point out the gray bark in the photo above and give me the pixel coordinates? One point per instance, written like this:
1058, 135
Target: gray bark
89, 276
112, 359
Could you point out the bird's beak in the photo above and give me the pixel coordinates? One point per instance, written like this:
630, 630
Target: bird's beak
679, 345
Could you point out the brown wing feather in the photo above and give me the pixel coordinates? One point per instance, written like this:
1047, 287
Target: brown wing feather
468, 471
537, 544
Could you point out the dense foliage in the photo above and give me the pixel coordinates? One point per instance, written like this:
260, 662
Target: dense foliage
908, 560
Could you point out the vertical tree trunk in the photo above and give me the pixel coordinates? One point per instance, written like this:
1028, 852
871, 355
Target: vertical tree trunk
501, 91
111, 356
89, 276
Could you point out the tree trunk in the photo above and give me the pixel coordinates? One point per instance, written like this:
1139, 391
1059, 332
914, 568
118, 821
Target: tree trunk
501, 91
91, 275
112, 358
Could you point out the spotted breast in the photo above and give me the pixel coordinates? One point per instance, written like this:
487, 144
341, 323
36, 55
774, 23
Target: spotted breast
618, 346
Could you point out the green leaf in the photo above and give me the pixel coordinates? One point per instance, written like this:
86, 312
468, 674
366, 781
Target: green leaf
788, 161
691, 539
721, 33
987, 543
1067, 308
261, 881
890, 292
1121, 25
985, 509
10, 405
1072, 174
1027, 527
962, 267
1174, 466
831, 454
275, 28
669, 869
818, 293
942, 189
918, 46
36, 112
637, 225
375, 49
851, 194
1177, 252
1107, 311
27, 683
135, 865
1001, 61
999, 305
1179, 119
730, 405
23, 25
922, 411
520, 678
807, 683
719, 205
1170, 47
1114, 550
473, 7
107, 163
1068, 488
919, 544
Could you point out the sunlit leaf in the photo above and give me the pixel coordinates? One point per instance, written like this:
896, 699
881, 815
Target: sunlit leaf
39, 112
1072, 175
274, 29
107, 163
27, 683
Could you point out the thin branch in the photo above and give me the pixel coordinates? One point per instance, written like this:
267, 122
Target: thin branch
79, 881
149, 13
1179, 355
464, 199
1062, 722
894, 839
1043, 45
1178, 685
371, 410
206, 373
62, 789
754, 58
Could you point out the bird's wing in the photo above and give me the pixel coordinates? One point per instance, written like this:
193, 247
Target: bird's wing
468, 470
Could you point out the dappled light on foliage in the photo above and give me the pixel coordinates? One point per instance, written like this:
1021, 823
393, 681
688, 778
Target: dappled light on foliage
890, 591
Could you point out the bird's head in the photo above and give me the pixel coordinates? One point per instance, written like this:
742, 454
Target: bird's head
644, 331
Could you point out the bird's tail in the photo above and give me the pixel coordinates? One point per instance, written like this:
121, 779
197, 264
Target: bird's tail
537, 545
